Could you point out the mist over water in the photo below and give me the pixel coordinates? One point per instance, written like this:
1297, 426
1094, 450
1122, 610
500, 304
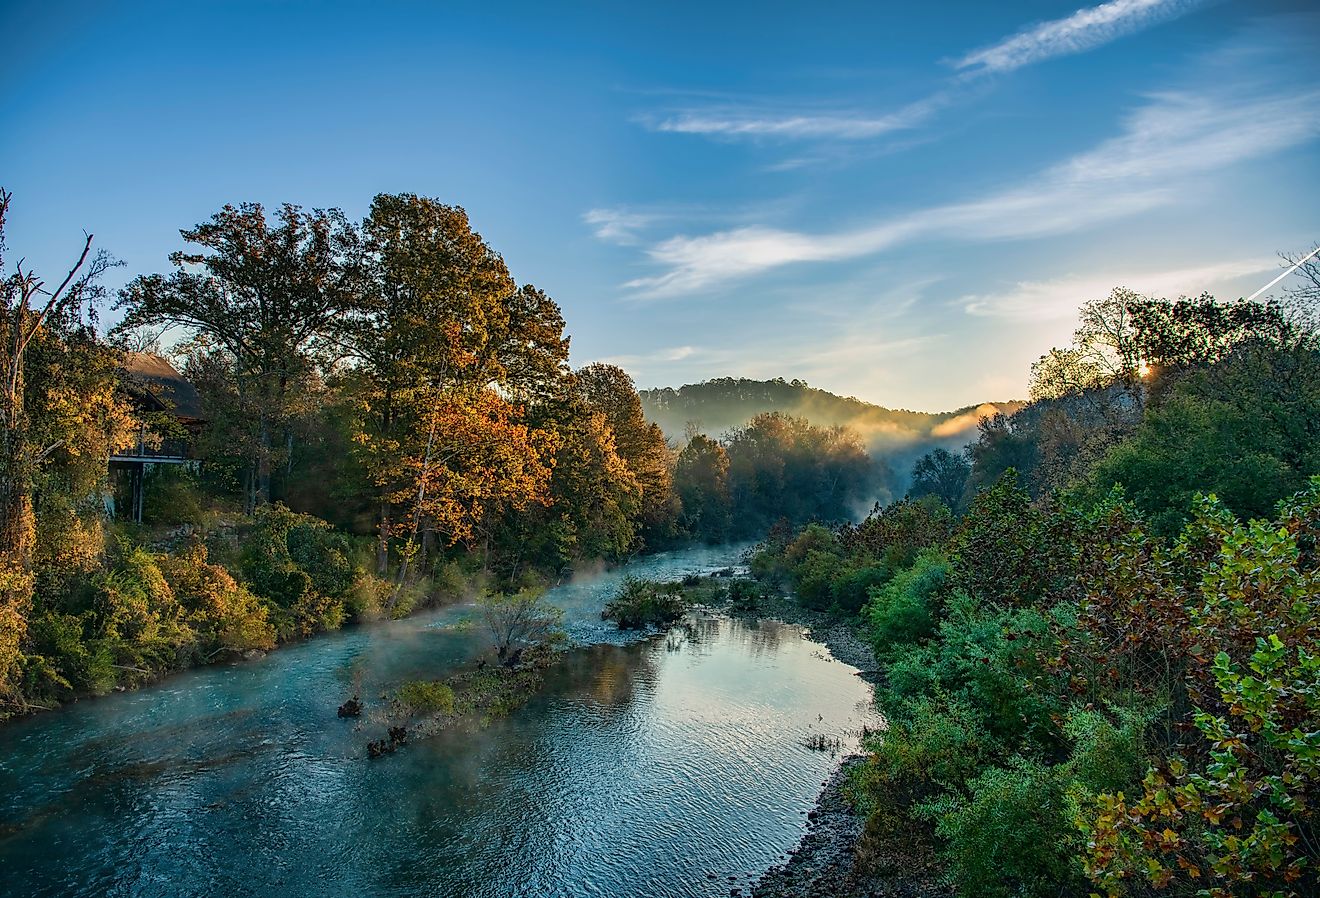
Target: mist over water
642, 767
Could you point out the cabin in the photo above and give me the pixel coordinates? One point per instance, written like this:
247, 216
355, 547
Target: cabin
171, 413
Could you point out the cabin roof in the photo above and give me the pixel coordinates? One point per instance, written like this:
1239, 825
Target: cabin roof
160, 381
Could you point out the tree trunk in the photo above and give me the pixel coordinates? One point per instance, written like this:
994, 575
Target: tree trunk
263, 462
383, 536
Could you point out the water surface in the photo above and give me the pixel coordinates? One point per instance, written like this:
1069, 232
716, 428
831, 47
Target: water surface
643, 768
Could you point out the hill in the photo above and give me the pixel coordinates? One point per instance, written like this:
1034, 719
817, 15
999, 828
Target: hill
898, 436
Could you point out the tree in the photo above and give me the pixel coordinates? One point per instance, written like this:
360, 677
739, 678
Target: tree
1005, 442
1199, 332
1105, 353
437, 323
264, 294
780, 466
609, 390
594, 497
942, 474
57, 407
518, 620
701, 479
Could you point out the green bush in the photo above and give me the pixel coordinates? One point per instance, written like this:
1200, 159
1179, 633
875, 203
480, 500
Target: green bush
642, 603
425, 697
1108, 749
303, 566
78, 664
813, 579
905, 609
226, 616
1012, 836
852, 586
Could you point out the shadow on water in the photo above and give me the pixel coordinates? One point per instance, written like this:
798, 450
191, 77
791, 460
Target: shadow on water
639, 769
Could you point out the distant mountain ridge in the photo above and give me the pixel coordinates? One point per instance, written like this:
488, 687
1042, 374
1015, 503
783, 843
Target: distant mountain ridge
717, 406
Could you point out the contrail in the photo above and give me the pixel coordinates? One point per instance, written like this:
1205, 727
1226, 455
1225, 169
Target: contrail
1296, 265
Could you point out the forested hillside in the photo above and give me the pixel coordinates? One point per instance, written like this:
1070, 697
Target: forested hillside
895, 437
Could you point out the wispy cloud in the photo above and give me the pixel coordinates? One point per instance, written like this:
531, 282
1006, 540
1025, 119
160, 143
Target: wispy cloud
1163, 145
1084, 30
1058, 298
730, 122
618, 225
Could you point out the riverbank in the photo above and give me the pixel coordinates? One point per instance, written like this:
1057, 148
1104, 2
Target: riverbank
822, 865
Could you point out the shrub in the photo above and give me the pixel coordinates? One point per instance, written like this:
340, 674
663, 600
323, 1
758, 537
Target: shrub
425, 697
1012, 836
852, 586
813, 579
75, 663
519, 620
641, 604
1232, 812
905, 610
1108, 749
302, 565
225, 615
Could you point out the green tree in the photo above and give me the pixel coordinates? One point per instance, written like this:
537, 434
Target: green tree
266, 295
942, 474
780, 466
701, 479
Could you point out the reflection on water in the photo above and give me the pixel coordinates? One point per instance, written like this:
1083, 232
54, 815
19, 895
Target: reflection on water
639, 769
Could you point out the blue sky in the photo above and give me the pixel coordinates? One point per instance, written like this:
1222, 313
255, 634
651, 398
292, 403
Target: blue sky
902, 202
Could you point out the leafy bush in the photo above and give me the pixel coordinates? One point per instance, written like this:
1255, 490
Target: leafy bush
1232, 812
226, 616
303, 566
642, 603
520, 620
425, 697
906, 609
74, 663
1012, 835
852, 586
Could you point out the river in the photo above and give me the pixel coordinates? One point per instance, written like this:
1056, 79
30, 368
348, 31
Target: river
672, 765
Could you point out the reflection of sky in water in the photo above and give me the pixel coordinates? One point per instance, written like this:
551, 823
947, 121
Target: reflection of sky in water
639, 769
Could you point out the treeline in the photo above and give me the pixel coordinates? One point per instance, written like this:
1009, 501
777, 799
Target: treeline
895, 438
389, 418
1098, 628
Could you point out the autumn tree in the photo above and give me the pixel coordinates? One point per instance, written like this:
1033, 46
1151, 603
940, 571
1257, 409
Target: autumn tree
263, 293
59, 420
609, 390
595, 499
441, 339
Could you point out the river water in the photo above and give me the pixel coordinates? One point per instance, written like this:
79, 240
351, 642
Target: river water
672, 765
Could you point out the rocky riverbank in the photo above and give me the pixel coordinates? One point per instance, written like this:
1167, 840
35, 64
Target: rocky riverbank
822, 864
